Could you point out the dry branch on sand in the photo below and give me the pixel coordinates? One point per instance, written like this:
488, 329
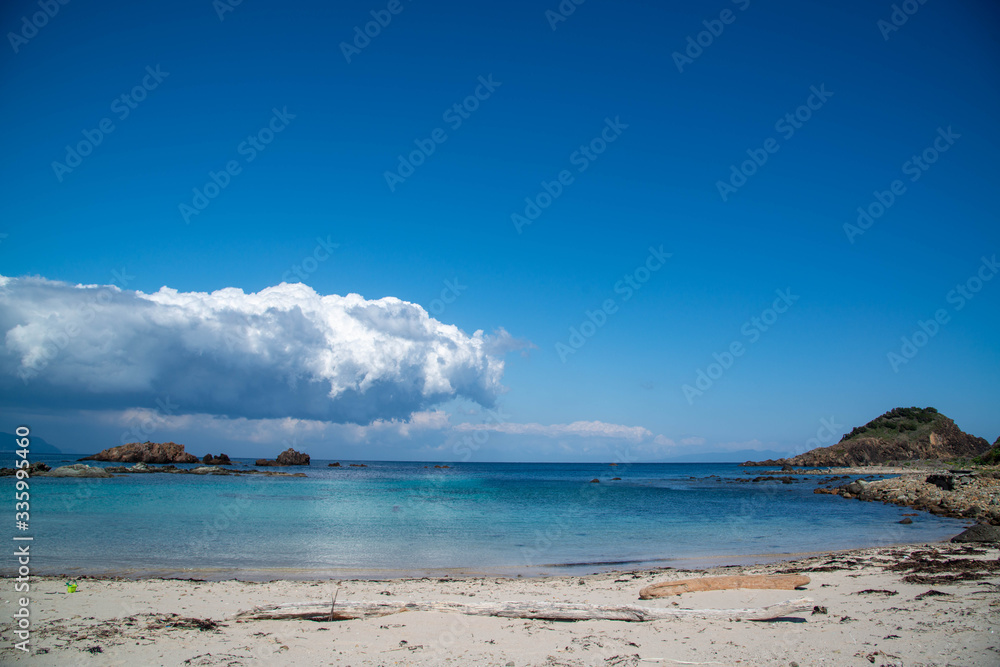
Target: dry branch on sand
552, 611
774, 581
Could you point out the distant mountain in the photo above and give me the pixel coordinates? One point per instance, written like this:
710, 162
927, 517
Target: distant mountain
8, 443
902, 434
721, 457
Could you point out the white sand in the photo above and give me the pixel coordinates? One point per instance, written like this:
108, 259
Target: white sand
958, 629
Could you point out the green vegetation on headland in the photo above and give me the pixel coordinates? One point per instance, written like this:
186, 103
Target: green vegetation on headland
899, 423
991, 457
898, 436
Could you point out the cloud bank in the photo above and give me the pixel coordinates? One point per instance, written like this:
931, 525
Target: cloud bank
593, 429
285, 351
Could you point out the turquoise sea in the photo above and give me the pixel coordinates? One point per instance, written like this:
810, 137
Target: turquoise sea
405, 518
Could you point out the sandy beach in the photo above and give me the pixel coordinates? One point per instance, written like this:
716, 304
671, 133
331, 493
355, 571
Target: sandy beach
934, 604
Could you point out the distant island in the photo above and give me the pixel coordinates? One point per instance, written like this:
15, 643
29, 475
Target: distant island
8, 443
900, 435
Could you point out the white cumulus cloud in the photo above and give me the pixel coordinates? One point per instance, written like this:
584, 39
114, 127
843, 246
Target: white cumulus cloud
283, 352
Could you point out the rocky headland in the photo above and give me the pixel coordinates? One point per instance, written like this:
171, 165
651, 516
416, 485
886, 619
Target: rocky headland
991, 457
959, 494
900, 435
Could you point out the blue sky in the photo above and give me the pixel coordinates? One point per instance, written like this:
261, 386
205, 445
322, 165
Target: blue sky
318, 189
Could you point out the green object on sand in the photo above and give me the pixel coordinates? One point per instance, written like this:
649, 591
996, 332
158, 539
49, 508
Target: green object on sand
71, 587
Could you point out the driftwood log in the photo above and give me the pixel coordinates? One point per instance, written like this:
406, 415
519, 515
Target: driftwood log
773, 581
552, 611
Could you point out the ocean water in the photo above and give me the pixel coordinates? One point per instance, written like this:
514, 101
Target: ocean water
405, 518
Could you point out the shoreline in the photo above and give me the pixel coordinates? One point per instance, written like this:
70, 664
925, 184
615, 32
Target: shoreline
547, 570
926, 603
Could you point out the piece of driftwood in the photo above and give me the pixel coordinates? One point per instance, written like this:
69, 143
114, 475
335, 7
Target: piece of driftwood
551, 611
775, 581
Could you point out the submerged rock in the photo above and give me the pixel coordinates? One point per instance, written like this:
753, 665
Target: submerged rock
77, 470
209, 470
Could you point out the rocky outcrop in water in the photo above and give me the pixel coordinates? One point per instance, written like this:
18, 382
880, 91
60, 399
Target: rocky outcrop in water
902, 434
220, 460
143, 469
289, 457
975, 496
34, 469
145, 452
76, 470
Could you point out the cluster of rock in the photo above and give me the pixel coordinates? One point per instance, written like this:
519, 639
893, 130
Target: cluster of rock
39, 469
34, 469
959, 495
289, 457
902, 434
200, 470
144, 452
81, 470
171, 452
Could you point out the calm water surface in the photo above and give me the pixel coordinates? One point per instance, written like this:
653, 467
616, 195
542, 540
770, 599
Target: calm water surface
395, 519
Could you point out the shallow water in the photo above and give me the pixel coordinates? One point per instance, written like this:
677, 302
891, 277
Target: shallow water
402, 518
